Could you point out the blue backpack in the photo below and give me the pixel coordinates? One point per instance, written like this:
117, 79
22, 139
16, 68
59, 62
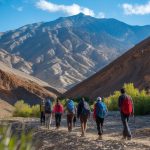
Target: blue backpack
101, 109
48, 108
71, 106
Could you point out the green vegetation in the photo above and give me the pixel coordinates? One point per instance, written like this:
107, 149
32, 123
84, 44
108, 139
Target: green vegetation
140, 99
141, 102
9, 141
25, 110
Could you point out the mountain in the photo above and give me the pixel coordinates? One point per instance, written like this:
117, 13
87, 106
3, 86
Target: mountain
66, 51
16, 85
133, 66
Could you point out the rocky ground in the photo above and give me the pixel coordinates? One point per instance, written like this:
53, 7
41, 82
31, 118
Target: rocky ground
52, 139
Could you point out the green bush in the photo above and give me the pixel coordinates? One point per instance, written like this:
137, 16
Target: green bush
140, 99
9, 141
35, 110
25, 110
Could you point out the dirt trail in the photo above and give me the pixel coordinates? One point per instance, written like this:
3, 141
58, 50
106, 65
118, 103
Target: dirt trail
62, 140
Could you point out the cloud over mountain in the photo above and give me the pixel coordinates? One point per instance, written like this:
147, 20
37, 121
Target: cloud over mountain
136, 9
67, 9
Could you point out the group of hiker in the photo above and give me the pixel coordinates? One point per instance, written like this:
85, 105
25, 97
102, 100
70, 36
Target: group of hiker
83, 112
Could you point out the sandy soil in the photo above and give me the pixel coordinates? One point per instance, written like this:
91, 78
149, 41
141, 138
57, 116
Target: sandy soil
6, 109
52, 139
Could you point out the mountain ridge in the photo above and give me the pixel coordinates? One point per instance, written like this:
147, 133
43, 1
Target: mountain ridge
133, 66
67, 50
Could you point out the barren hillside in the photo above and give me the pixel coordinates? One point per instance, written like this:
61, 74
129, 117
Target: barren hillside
15, 85
133, 66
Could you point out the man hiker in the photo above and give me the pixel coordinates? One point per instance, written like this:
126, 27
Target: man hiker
70, 114
99, 114
48, 113
58, 110
126, 108
83, 112
42, 110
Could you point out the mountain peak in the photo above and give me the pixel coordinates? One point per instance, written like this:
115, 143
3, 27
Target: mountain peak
81, 14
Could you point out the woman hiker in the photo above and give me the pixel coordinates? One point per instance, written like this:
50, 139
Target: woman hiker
83, 112
58, 110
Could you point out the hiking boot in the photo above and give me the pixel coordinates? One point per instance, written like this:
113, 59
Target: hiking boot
129, 138
100, 137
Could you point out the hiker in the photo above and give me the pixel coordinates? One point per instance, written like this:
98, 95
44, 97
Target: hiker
48, 112
83, 112
42, 110
58, 110
70, 113
99, 114
126, 108
75, 117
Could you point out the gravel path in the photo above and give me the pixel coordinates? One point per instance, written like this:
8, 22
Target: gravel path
52, 139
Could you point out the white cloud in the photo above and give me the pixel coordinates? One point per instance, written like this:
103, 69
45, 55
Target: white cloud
136, 9
67, 9
100, 15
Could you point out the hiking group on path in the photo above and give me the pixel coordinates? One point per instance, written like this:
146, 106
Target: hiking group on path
83, 112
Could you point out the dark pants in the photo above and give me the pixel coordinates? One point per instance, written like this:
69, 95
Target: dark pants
42, 117
99, 123
70, 121
58, 119
126, 129
74, 120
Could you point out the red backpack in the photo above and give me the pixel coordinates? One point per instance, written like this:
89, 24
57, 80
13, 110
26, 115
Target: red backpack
126, 107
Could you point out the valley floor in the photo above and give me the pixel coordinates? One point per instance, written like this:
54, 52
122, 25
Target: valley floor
52, 139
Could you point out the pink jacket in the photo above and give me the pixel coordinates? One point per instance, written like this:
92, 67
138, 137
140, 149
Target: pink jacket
58, 108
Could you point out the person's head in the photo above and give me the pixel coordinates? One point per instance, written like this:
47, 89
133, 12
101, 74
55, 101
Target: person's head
83, 99
67, 99
122, 91
99, 99
42, 102
57, 101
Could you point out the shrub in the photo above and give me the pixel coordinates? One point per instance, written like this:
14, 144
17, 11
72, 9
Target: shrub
25, 110
22, 109
140, 99
35, 110
10, 141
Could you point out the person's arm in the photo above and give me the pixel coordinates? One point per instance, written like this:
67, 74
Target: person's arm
62, 108
94, 112
132, 107
119, 102
106, 108
54, 109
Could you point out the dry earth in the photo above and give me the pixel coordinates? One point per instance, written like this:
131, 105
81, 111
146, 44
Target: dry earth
6, 109
62, 140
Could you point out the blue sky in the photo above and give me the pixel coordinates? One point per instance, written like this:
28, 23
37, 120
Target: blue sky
16, 13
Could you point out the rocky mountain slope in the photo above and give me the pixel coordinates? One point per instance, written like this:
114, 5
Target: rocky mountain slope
133, 66
68, 50
16, 85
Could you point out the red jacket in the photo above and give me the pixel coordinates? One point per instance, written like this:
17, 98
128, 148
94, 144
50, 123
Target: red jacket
58, 108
